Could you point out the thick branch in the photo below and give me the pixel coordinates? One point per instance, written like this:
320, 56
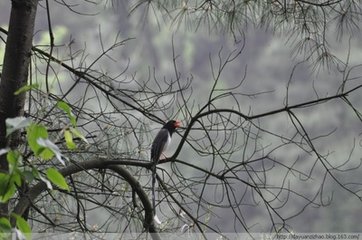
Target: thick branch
34, 192
15, 71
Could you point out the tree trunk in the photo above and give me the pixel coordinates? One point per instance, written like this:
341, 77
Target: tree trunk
15, 72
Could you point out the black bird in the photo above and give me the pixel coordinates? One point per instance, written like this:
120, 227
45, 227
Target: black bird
159, 146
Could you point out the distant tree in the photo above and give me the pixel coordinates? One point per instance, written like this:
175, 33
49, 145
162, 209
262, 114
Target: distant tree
309, 26
86, 133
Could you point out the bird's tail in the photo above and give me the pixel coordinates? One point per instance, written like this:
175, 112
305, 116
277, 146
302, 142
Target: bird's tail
153, 189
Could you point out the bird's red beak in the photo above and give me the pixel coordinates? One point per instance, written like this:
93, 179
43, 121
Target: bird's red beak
177, 124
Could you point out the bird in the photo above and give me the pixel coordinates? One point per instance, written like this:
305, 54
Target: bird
159, 146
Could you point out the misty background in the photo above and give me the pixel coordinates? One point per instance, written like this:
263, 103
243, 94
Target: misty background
267, 62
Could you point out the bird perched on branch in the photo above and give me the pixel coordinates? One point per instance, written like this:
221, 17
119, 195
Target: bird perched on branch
159, 146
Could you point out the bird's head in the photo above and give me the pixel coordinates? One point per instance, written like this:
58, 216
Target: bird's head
172, 125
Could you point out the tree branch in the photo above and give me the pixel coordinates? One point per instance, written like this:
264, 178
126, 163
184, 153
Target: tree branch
28, 198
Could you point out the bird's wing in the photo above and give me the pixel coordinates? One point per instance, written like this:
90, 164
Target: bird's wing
160, 144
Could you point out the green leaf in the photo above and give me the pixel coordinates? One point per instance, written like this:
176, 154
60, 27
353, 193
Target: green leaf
57, 178
7, 187
66, 108
4, 184
78, 134
23, 226
11, 190
26, 88
5, 226
14, 159
13, 124
35, 132
50, 146
46, 153
16, 178
69, 140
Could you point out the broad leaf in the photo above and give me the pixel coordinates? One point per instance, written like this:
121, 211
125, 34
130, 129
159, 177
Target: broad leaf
7, 187
57, 178
9, 193
78, 134
50, 146
15, 178
5, 226
23, 226
34, 132
14, 158
65, 107
69, 140
4, 183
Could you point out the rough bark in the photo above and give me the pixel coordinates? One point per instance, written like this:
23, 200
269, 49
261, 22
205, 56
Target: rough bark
15, 72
